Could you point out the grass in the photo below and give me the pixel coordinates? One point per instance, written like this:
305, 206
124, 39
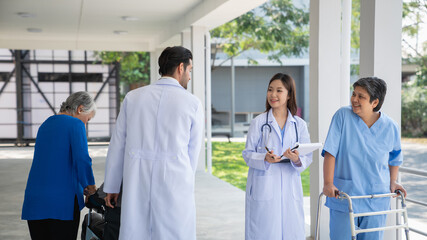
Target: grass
228, 165
415, 140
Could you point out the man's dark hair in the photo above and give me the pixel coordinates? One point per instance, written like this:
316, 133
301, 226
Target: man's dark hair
171, 57
376, 88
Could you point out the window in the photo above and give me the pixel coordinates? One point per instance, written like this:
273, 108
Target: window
75, 77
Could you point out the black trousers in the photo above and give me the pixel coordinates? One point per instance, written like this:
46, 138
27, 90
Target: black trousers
54, 229
112, 226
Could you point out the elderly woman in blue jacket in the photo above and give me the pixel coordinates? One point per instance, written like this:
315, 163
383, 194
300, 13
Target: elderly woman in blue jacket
362, 157
274, 197
61, 172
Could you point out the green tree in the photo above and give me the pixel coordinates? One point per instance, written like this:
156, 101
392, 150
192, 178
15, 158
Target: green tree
276, 28
414, 100
414, 13
134, 66
414, 110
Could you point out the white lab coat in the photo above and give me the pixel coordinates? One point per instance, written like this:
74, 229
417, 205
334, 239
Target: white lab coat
274, 197
154, 149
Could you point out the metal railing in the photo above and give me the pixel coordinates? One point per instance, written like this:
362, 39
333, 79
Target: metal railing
419, 173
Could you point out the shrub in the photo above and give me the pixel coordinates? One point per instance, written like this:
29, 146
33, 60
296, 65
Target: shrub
414, 110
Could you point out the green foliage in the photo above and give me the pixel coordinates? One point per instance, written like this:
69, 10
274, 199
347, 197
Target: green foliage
414, 110
355, 25
421, 61
228, 165
412, 13
276, 28
134, 66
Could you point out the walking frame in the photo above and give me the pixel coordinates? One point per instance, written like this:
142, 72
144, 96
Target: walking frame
352, 215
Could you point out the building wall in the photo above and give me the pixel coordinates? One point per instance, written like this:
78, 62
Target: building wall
250, 87
36, 110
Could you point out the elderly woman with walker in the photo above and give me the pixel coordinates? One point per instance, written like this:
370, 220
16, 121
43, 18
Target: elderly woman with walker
362, 157
61, 172
274, 197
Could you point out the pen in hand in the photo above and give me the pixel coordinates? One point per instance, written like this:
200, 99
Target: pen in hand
294, 148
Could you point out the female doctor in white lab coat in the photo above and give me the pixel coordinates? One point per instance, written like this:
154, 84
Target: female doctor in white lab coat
274, 197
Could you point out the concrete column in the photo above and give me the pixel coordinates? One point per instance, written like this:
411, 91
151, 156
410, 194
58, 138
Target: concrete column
186, 42
380, 56
345, 51
198, 78
325, 80
380, 48
208, 102
233, 96
154, 65
306, 92
186, 39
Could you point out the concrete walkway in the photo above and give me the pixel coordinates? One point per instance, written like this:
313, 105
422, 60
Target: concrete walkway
220, 206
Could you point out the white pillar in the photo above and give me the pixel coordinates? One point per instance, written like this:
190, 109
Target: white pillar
208, 102
325, 80
186, 42
380, 56
154, 65
345, 52
233, 102
198, 78
306, 92
380, 48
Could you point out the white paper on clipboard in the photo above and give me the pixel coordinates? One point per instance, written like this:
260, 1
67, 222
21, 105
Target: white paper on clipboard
305, 148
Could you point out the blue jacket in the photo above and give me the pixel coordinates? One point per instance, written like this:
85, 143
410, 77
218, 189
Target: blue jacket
61, 169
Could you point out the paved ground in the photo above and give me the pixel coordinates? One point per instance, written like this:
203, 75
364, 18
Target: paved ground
415, 156
220, 206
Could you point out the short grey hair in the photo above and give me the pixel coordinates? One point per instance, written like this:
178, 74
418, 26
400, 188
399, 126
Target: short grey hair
376, 88
75, 100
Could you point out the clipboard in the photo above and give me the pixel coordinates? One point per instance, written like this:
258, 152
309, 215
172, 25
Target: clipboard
303, 149
306, 148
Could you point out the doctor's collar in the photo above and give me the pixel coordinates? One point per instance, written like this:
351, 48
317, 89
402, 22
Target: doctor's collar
168, 77
271, 116
168, 81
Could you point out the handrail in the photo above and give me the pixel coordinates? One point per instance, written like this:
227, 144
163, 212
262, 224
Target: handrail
420, 173
416, 202
413, 171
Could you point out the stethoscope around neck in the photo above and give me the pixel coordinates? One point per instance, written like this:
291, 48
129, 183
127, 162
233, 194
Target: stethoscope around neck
267, 125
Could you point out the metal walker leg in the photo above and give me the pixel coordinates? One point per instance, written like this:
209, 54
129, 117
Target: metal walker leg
352, 215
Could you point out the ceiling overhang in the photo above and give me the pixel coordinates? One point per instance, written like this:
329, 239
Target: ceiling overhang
99, 24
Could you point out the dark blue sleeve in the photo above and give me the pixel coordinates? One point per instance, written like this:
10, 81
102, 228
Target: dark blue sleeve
395, 156
80, 154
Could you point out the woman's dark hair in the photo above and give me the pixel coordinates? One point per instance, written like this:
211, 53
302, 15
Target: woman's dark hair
376, 88
171, 57
289, 84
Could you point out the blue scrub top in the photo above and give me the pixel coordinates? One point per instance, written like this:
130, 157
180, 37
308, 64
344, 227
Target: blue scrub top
362, 158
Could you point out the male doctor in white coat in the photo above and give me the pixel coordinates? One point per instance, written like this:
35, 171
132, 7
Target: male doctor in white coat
154, 150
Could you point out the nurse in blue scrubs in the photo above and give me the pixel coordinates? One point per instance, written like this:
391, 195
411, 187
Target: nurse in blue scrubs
362, 156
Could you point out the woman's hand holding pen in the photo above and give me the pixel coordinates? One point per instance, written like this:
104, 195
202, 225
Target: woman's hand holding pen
271, 157
293, 155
